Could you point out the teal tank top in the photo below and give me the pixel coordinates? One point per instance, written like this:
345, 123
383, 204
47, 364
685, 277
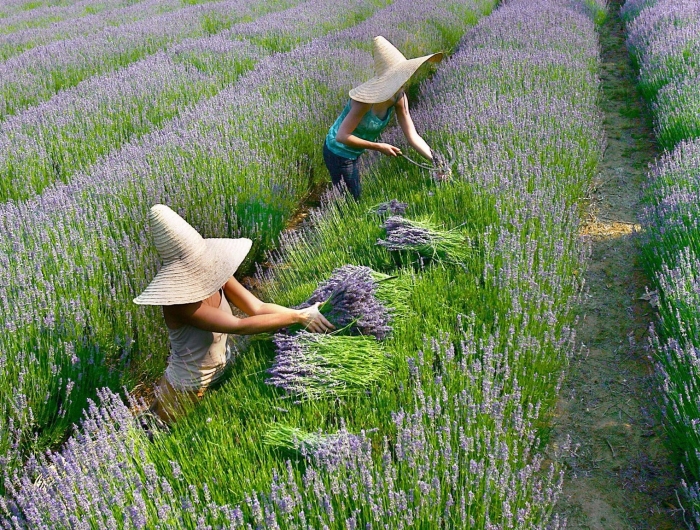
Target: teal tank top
369, 128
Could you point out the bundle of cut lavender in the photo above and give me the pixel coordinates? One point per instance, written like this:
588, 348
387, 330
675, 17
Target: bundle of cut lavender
392, 207
426, 239
348, 299
315, 366
285, 436
291, 438
443, 171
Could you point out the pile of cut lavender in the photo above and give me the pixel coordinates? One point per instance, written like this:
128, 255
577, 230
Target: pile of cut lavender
425, 238
348, 299
315, 366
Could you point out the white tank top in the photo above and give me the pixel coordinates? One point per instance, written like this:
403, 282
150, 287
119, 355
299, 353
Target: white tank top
197, 357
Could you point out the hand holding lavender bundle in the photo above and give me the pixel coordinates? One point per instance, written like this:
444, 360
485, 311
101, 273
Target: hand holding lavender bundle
349, 302
426, 239
442, 171
315, 366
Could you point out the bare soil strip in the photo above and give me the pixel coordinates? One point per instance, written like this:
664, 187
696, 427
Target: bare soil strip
618, 472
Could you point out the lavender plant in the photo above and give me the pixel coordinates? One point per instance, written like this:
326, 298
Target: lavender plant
676, 111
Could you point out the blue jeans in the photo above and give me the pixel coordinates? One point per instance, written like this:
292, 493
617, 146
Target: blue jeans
342, 169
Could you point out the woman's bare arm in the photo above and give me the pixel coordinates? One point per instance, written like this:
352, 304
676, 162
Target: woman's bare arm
403, 116
263, 317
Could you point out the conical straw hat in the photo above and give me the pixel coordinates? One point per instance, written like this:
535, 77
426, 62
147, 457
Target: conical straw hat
391, 71
193, 268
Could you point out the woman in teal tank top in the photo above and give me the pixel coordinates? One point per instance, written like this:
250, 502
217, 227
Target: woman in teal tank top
368, 112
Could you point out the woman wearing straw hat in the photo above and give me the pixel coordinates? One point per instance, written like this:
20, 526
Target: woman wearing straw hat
368, 112
194, 286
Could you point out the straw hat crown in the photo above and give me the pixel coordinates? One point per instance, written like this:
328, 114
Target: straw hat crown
193, 268
391, 70
386, 56
173, 237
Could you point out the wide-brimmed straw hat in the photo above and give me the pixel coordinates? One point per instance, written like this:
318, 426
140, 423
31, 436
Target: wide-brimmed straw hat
391, 70
193, 268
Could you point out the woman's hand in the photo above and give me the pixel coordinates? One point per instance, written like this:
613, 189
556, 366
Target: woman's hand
312, 319
388, 149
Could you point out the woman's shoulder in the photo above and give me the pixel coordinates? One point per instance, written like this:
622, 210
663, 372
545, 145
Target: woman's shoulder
359, 105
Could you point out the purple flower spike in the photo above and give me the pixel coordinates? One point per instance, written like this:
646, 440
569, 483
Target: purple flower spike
349, 300
392, 207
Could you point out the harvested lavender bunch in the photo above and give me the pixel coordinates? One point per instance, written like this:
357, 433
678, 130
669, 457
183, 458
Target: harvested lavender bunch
327, 450
307, 443
426, 239
315, 366
348, 301
392, 207
395, 293
443, 171
287, 437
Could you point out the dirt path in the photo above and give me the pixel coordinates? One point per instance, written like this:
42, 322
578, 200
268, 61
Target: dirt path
618, 472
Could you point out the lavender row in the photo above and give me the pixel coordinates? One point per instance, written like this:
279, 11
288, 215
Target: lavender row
439, 21
28, 30
529, 143
44, 15
664, 37
305, 22
67, 134
212, 165
37, 74
12, 7
671, 243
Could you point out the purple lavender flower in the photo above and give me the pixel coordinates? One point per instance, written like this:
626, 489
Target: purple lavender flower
426, 239
316, 366
392, 207
349, 301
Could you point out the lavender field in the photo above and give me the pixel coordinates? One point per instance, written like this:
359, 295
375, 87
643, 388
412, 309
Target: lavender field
457, 298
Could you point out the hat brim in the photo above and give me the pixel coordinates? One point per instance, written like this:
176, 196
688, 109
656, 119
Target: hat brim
193, 280
382, 88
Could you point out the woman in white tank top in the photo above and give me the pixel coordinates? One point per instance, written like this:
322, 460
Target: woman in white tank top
195, 285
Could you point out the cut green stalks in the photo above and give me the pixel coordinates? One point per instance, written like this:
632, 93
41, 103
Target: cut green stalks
314, 366
429, 240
